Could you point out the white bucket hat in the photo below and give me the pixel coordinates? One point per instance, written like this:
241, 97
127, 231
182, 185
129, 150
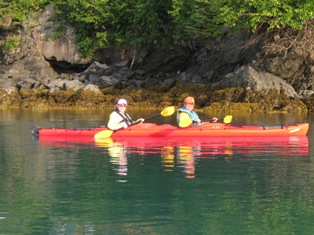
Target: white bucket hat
122, 101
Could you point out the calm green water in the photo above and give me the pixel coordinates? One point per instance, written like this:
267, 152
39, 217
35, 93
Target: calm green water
144, 188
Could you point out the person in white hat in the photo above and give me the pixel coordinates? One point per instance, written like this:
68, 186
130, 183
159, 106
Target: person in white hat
119, 119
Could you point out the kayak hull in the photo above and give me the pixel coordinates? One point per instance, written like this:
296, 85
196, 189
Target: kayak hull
167, 130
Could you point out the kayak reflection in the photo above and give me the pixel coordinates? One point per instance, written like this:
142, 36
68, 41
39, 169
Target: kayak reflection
212, 146
186, 159
186, 152
118, 156
184, 155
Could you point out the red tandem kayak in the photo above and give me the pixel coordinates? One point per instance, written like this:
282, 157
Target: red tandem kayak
167, 130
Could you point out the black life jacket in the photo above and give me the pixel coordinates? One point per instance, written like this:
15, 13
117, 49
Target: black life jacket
126, 117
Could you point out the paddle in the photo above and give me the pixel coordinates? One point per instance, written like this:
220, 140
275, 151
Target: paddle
227, 119
107, 133
187, 122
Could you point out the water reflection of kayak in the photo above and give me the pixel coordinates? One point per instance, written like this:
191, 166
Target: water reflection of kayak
287, 145
198, 146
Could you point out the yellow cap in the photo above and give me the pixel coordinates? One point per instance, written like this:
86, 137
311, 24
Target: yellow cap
189, 99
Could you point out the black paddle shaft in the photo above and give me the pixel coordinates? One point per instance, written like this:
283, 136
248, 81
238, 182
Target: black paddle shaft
151, 117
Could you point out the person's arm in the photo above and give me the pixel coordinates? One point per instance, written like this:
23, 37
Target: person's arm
214, 119
197, 119
115, 123
140, 120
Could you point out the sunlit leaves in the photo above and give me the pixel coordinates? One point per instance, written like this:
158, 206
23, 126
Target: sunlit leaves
90, 19
135, 23
19, 10
252, 14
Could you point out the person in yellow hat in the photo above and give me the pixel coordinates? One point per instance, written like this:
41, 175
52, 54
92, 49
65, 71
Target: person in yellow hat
119, 119
186, 114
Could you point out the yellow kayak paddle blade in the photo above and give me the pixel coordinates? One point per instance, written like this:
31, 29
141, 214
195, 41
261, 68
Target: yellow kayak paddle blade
103, 134
227, 119
104, 142
185, 123
167, 111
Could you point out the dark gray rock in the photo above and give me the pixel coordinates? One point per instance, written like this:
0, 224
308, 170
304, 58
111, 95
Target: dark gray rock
251, 79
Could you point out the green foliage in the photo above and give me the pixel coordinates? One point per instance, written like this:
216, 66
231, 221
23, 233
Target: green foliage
193, 19
139, 22
58, 33
103, 23
85, 45
254, 14
136, 23
4, 5
19, 10
89, 18
12, 42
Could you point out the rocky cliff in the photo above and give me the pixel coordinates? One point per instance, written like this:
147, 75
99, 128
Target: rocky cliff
273, 70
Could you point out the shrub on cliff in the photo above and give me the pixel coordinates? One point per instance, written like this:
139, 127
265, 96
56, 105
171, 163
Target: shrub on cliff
263, 14
136, 23
17, 12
